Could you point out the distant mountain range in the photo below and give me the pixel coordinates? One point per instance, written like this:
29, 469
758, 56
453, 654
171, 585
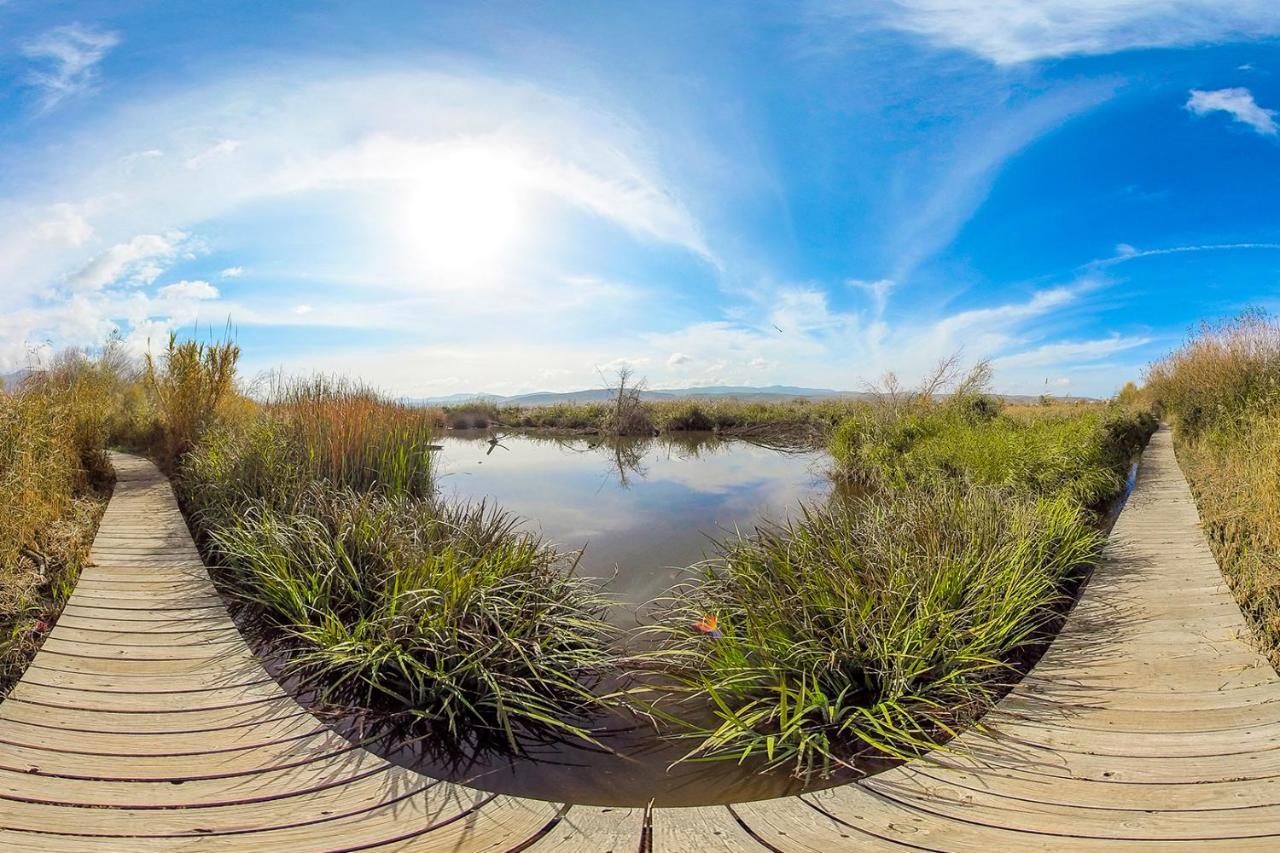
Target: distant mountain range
544, 398
767, 393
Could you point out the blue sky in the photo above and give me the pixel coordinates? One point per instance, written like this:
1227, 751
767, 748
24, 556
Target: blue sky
509, 197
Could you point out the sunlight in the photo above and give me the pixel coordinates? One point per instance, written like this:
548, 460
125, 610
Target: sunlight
463, 216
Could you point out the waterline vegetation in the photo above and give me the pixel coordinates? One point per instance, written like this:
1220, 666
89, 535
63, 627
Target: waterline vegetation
877, 623
318, 510
890, 618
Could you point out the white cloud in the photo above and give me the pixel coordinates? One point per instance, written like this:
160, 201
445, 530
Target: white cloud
222, 148
1238, 103
878, 291
189, 290
67, 224
1007, 32
232, 272
68, 58
1071, 352
1126, 252
678, 358
302, 310
140, 260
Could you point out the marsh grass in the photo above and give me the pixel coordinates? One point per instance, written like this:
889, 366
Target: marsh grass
319, 512
871, 625
1221, 390
449, 615
350, 434
53, 473
886, 620
1080, 451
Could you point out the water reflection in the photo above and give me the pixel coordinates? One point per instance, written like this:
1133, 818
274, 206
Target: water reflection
640, 509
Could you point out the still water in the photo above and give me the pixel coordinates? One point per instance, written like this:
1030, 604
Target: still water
640, 509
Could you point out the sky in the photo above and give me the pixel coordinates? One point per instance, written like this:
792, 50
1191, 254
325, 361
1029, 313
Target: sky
505, 197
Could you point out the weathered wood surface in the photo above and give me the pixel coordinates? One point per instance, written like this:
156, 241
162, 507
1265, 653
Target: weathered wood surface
145, 723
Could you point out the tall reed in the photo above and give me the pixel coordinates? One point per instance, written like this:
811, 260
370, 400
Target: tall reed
352, 435
1221, 390
188, 382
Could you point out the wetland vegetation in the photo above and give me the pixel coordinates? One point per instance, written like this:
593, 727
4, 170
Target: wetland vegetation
1221, 391
868, 616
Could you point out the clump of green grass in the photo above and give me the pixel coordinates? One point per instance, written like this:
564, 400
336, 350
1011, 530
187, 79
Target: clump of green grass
873, 624
447, 614
393, 600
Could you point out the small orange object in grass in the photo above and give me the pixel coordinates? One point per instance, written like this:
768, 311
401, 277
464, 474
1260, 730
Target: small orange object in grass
709, 626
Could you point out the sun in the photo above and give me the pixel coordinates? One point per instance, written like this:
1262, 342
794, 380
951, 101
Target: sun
463, 212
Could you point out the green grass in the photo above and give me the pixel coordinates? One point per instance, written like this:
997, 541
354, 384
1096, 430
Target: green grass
872, 624
886, 620
392, 600
1080, 451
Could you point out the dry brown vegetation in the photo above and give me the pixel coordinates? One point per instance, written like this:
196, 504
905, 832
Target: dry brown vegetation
1221, 389
52, 481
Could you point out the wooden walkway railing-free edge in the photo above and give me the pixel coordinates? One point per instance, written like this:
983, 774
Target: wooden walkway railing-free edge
145, 723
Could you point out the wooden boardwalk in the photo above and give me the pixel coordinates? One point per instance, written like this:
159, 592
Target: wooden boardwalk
145, 723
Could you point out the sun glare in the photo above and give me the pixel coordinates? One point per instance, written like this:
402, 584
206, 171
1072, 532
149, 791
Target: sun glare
463, 216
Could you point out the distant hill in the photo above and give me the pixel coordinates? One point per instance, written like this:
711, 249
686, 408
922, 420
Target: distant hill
591, 395
767, 393
10, 381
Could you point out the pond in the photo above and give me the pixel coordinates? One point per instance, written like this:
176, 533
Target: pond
641, 509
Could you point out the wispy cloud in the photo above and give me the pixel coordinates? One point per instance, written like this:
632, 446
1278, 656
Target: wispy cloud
140, 260
221, 148
1007, 32
189, 290
1126, 252
1236, 102
232, 272
963, 173
67, 60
